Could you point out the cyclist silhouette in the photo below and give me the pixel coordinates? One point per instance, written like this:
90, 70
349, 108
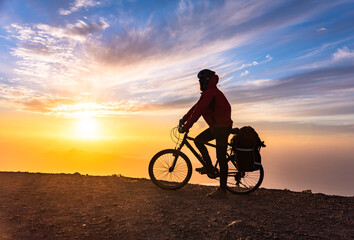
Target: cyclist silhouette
216, 111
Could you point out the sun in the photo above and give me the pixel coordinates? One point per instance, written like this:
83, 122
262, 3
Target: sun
87, 128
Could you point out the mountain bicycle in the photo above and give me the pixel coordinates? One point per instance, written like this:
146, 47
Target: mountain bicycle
171, 169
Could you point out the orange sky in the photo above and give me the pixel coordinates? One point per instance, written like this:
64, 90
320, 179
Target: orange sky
297, 159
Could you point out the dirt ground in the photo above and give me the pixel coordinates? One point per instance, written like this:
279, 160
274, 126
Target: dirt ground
63, 206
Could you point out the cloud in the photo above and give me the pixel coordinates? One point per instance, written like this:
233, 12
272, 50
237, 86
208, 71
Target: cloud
77, 31
45, 52
254, 63
343, 54
42, 104
322, 29
51, 70
323, 96
258, 83
300, 127
245, 73
67, 107
268, 58
316, 110
302, 85
77, 5
16, 93
197, 29
29, 100
81, 28
76, 109
314, 51
318, 58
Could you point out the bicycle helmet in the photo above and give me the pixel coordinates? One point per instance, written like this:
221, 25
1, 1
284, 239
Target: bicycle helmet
204, 78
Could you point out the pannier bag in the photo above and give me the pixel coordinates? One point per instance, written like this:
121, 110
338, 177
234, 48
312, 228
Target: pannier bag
246, 145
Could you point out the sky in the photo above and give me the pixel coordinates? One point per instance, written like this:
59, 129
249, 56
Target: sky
112, 78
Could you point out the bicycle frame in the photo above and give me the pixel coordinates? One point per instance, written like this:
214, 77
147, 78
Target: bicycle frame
195, 153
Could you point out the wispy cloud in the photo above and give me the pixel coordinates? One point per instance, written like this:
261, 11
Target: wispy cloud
190, 31
77, 31
343, 54
245, 73
319, 49
322, 95
14, 92
268, 58
302, 85
51, 64
322, 29
45, 51
29, 100
77, 5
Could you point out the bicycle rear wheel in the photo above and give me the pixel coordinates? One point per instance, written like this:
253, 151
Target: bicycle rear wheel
164, 176
243, 182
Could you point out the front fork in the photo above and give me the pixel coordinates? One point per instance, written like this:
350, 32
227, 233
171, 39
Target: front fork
176, 154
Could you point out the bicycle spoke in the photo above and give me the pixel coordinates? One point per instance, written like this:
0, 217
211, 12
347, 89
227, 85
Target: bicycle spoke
244, 185
177, 177
161, 174
164, 163
180, 175
164, 176
244, 182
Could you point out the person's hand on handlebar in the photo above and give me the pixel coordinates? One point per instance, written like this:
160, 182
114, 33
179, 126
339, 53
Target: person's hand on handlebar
181, 122
180, 126
180, 129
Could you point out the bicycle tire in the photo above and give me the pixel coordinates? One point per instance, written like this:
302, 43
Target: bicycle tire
159, 169
243, 182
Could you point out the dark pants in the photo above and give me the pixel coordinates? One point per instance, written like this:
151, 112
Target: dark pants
221, 136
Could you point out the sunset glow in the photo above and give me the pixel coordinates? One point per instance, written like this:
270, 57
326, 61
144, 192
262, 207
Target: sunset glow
87, 128
108, 80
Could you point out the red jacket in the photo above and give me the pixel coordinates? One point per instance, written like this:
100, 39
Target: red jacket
212, 105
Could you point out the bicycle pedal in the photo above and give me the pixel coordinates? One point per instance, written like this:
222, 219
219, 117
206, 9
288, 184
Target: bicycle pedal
201, 171
213, 175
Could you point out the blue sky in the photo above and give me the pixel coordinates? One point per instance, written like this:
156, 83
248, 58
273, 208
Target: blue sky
279, 61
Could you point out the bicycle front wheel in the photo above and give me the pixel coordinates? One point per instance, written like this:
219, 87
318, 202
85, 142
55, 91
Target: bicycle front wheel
243, 182
164, 175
